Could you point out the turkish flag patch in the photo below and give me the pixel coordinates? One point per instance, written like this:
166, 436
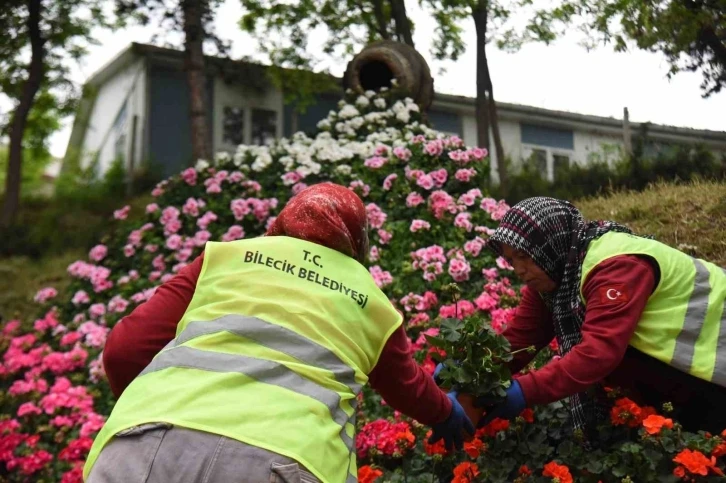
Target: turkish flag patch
613, 294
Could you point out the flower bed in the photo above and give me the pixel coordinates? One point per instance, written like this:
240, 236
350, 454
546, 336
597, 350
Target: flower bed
429, 220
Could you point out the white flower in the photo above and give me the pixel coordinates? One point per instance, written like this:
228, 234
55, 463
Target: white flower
403, 116
370, 94
344, 169
340, 127
362, 101
201, 165
348, 111
222, 157
262, 161
324, 124
394, 82
380, 103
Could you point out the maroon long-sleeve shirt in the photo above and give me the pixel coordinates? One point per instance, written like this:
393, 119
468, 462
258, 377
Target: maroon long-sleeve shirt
138, 337
615, 293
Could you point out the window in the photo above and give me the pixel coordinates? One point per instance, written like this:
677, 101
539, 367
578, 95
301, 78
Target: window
233, 126
538, 160
560, 163
264, 126
547, 136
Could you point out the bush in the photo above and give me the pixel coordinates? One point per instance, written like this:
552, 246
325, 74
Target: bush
679, 164
428, 223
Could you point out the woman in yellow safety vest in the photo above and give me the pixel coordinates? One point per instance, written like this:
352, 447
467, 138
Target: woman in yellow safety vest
246, 366
625, 310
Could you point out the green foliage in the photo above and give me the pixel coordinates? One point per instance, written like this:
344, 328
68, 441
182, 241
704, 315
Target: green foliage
689, 34
669, 163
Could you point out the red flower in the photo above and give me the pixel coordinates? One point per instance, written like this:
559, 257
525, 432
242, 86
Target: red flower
654, 423
697, 463
528, 415
524, 471
367, 474
474, 447
465, 472
436, 448
561, 472
626, 412
494, 427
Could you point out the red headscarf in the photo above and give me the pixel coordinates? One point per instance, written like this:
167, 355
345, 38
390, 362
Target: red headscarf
327, 214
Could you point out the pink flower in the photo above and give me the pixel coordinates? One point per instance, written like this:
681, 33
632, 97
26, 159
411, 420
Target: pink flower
134, 238
360, 188
439, 176
425, 181
235, 232
70, 338
490, 273
388, 182
384, 236
236, 177
462, 220
169, 214
469, 198
474, 247
503, 264
500, 319
117, 304
460, 310
459, 269
45, 294
49, 321
376, 216
213, 187
434, 148
28, 408
98, 253
129, 251
465, 174
486, 301
172, 227
478, 153
11, 327
418, 319
152, 208
380, 277
201, 238
289, 179
375, 162
94, 422
374, 255
156, 192
174, 242
441, 202
414, 199
191, 207
123, 213
206, 219
298, 187
412, 173
404, 154
95, 335
97, 310
189, 176
417, 225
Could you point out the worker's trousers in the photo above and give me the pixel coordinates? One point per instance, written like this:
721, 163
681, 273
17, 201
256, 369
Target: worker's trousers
160, 453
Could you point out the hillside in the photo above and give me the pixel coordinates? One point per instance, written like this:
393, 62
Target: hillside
690, 217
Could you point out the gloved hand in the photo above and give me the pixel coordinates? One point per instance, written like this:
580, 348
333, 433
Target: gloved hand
511, 407
451, 430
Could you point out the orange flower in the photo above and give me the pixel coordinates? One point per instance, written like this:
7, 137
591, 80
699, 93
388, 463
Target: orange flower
680, 472
528, 415
524, 471
367, 474
474, 447
561, 472
405, 439
654, 423
465, 472
697, 463
719, 450
436, 448
628, 413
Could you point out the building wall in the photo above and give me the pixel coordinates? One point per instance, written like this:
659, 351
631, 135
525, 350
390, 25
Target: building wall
117, 101
248, 101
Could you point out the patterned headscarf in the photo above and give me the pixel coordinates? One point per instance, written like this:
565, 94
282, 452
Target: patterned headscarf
327, 214
555, 235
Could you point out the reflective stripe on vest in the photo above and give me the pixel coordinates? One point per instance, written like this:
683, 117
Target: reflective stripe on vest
695, 317
274, 337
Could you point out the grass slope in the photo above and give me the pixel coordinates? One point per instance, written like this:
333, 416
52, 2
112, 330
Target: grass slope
690, 217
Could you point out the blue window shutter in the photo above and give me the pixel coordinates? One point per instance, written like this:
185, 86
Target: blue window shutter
548, 136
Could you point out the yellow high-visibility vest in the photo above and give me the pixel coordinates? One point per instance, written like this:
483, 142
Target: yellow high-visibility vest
273, 349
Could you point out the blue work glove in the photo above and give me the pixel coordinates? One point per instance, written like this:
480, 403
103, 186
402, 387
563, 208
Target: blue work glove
511, 407
452, 429
439, 366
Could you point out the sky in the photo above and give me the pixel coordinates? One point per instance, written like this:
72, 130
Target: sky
562, 76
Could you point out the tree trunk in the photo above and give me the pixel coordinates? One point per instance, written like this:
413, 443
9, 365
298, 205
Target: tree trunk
20, 116
486, 108
382, 25
193, 11
403, 24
